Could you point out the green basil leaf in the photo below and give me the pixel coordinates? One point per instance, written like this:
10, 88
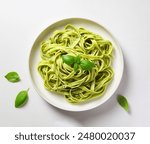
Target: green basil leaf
86, 65
77, 59
75, 67
68, 59
123, 102
21, 98
12, 77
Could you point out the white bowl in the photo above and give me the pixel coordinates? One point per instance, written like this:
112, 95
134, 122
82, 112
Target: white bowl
58, 100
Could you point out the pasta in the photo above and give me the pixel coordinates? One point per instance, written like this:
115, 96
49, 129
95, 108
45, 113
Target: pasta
80, 85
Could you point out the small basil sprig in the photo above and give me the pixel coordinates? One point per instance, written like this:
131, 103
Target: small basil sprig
76, 61
76, 66
68, 59
123, 102
86, 65
12, 77
21, 98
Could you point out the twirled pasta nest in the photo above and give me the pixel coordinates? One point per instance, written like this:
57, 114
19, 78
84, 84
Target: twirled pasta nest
81, 85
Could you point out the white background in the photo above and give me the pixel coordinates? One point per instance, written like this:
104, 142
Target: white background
21, 21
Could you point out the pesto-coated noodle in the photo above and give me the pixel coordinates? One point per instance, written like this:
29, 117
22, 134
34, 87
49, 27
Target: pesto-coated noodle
81, 85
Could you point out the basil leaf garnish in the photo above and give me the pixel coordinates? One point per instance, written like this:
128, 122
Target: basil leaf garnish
68, 59
21, 98
75, 67
77, 59
86, 65
123, 102
12, 77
